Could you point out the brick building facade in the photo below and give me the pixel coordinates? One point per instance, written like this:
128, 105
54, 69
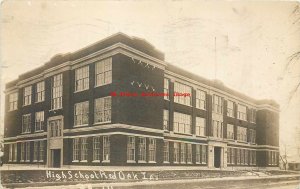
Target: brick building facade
65, 113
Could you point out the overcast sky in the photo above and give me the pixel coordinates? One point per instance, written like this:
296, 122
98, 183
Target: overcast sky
253, 40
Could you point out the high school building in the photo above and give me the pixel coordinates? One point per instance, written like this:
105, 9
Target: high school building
80, 109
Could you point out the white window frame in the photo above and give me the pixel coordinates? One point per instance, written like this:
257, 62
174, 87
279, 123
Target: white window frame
217, 129
15, 152
81, 114
182, 123
102, 113
27, 148
35, 151
189, 157
230, 131
242, 134
57, 92
182, 88
41, 151
230, 108
13, 101
242, 112
55, 128
204, 154
201, 99
82, 78
76, 146
103, 72
22, 157
176, 152
182, 153
27, 95
39, 121
166, 120
198, 153
142, 149
217, 104
106, 149
252, 136
200, 126
83, 149
26, 123
96, 148
130, 149
40, 92
152, 150
166, 89
166, 152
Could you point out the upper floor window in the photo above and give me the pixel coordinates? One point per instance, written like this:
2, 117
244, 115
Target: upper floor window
26, 123
217, 104
217, 129
200, 126
82, 78
27, 95
200, 99
166, 88
81, 113
230, 112
40, 92
13, 101
252, 136
55, 128
241, 113
252, 116
102, 110
230, 131
182, 123
242, 134
166, 120
103, 72
57, 90
39, 121
182, 89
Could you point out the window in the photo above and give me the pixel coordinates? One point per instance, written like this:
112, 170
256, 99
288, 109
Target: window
252, 135
82, 78
57, 90
55, 128
189, 153
238, 156
182, 123
242, 134
217, 104
106, 149
84, 149
103, 72
166, 120
166, 88
200, 99
40, 92
200, 126
198, 154
230, 131
252, 118
131, 148
81, 113
35, 150
166, 151
13, 101
152, 150
27, 96
179, 89
176, 152
246, 157
203, 154
242, 156
217, 129
96, 149
22, 158
26, 123
230, 156
39, 121
142, 149
182, 153
230, 112
10, 155
241, 114
102, 110
41, 151
27, 149
252, 157
272, 158
14, 151
76, 149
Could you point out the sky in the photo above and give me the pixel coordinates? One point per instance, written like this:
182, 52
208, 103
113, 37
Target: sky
246, 45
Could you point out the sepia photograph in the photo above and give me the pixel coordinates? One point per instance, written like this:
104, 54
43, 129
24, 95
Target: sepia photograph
149, 94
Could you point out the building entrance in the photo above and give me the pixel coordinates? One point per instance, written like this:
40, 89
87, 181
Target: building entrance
56, 157
217, 157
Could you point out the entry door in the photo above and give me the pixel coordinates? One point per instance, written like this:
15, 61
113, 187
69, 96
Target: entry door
217, 157
56, 157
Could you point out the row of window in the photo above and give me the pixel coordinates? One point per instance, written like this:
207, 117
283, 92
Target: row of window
38, 151
241, 156
217, 101
272, 158
103, 75
182, 124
